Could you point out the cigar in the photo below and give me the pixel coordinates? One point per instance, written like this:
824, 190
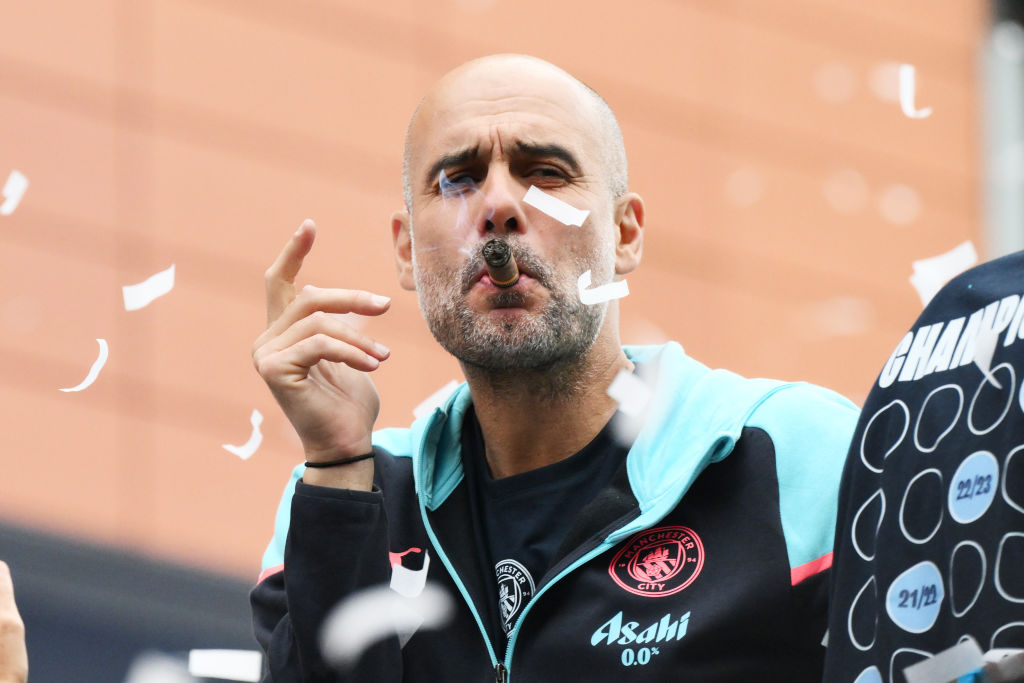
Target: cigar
501, 267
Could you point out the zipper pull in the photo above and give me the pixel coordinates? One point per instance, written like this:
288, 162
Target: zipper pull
500, 673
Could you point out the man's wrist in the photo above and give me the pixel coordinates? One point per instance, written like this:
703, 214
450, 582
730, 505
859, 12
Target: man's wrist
341, 462
357, 476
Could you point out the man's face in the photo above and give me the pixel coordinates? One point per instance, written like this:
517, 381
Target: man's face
480, 144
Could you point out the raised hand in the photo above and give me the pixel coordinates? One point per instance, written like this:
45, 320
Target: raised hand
316, 364
13, 655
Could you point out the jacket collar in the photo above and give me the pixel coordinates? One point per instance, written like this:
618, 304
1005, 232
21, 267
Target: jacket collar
694, 418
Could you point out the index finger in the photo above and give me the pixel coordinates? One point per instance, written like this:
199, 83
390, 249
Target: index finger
280, 277
6, 589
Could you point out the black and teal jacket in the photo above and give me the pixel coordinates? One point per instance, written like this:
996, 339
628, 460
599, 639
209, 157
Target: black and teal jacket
705, 559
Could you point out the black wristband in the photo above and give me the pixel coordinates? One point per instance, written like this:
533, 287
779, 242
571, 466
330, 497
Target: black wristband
343, 461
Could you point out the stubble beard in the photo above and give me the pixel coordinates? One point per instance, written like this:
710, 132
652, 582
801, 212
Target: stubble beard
552, 340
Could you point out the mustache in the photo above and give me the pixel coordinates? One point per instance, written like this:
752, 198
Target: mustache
525, 258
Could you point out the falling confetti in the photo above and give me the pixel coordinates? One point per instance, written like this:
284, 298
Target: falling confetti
596, 295
409, 582
228, 665
631, 393
97, 365
435, 400
555, 207
907, 78
931, 274
14, 190
246, 450
369, 615
948, 665
157, 667
634, 393
142, 294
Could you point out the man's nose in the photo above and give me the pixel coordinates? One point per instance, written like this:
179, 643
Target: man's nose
503, 197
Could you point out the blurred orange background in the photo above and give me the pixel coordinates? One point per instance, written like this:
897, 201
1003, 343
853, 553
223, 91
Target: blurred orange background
787, 196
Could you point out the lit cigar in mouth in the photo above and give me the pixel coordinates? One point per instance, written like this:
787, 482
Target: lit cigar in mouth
501, 267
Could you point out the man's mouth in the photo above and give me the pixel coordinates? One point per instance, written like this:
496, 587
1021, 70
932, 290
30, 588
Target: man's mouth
503, 297
484, 280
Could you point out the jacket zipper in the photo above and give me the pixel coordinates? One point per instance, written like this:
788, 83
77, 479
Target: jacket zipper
501, 669
514, 633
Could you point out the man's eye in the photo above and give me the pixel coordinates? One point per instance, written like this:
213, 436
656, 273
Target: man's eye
547, 172
455, 184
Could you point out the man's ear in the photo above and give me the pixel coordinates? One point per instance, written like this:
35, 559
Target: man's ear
402, 237
629, 222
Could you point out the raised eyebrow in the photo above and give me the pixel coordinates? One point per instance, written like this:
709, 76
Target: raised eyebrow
548, 150
452, 159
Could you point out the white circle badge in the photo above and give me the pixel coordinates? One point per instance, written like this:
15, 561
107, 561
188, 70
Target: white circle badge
973, 487
914, 598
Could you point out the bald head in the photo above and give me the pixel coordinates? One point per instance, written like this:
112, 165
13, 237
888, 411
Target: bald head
518, 76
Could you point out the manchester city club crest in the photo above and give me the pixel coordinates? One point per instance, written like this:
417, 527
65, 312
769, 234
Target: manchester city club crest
658, 562
515, 588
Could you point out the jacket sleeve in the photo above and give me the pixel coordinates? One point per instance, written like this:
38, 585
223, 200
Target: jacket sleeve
337, 543
811, 428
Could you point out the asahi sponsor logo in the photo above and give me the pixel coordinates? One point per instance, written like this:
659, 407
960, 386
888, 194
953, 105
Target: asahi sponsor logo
617, 631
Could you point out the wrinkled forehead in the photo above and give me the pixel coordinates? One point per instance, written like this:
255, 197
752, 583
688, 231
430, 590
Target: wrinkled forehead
487, 107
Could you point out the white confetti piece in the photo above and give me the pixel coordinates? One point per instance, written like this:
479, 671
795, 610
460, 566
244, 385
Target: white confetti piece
228, 665
409, 582
634, 392
984, 349
142, 294
907, 78
1000, 653
14, 190
931, 274
97, 365
365, 617
948, 665
555, 207
595, 295
246, 450
158, 667
631, 392
435, 400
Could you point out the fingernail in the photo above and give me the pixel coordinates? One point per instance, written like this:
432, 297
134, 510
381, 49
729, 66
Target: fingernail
379, 300
381, 349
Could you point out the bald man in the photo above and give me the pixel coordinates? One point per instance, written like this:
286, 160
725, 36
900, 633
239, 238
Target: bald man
696, 547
